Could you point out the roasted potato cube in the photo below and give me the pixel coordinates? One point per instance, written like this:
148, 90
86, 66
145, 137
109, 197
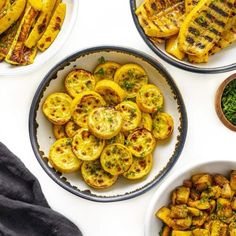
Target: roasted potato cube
200, 232
188, 183
220, 180
213, 206
202, 204
218, 228
173, 197
232, 229
233, 203
233, 180
212, 192
166, 231
224, 209
194, 211
203, 182
182, 195
194, 194
164, 215
179, 211
226, 191
195, 177
182, 224
198, 221
181, 233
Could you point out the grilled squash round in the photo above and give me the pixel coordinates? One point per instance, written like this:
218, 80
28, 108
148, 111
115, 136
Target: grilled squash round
141, 142
70, 128
105, 122
106, 70
83, 104
94, 175
59, 131
57, 108
131, 115
110, 91
86, 146
146, 121
140, 167
62, 158
78, 81
116, 159
119, 138
150, 99
163, 125
131, 78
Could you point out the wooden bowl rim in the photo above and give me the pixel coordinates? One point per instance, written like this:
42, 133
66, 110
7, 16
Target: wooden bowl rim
218, 107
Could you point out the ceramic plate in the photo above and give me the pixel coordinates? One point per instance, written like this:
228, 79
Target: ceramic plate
166, 153
221, 62
162, 196
70, 19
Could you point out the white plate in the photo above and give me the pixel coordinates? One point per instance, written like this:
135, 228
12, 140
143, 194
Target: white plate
166, 152
41, 58
220, 62
162, 196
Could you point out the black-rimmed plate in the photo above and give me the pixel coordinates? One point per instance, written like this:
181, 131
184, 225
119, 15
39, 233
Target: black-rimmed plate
222, 61
166, 153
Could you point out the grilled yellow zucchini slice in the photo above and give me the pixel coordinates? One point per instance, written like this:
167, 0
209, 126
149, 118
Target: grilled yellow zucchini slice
106, 70
10, 15
53, 28
59, 131
105, 122
150, 99
83, 104
70, 128
190, 4
110, 91
146, 121
86, 146
17, 53
203, 26
131, 115
140, 167
116, 159
36, 4
163, 125
172, 47
131, 77
2, 4
79, 80
62, 158
94, 175
41, 23
141, 142
119, 138
196, 59
56, 108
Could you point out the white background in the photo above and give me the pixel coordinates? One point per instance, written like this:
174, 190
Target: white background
109, 22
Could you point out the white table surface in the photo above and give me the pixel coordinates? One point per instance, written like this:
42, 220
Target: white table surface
109, 22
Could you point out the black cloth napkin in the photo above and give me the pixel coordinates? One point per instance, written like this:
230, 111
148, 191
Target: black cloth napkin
24, 211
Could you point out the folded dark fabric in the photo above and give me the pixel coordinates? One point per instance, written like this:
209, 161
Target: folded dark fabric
24, 211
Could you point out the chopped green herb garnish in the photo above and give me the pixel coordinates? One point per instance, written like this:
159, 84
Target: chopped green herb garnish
101, 60
128, 85
100, 72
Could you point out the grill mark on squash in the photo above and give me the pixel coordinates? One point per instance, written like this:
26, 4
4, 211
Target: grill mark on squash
218, 10
213, 19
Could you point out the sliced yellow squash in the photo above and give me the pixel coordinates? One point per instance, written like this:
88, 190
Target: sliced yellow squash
79, 80
146, 121
110, 91
119, 138
36, 4
116, 159
94, 175
86, 146
11, 14
105, 122
70, 128
200, 59
172, 47
2, 4
140, 167
59, 131
141, 142
41, 23
83, 104
62, 158
56, 108
53, 28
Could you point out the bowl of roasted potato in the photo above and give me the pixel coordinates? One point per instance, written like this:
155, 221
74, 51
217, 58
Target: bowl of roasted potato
107, 123
197, 36
195, 201
31, 32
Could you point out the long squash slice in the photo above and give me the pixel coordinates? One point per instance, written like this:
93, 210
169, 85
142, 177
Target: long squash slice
190, 4
2, 4
53, 28
204, 25
11, 15
18, 53
41, 23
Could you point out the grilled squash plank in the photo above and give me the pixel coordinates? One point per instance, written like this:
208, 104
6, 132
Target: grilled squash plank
2, 4
53, 28
41, 23
11, 14
204, 25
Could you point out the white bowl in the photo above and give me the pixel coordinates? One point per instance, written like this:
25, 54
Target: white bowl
162, 195
166, 153
41, 58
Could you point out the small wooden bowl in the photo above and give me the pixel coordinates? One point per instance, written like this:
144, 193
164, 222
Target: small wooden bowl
218, 107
